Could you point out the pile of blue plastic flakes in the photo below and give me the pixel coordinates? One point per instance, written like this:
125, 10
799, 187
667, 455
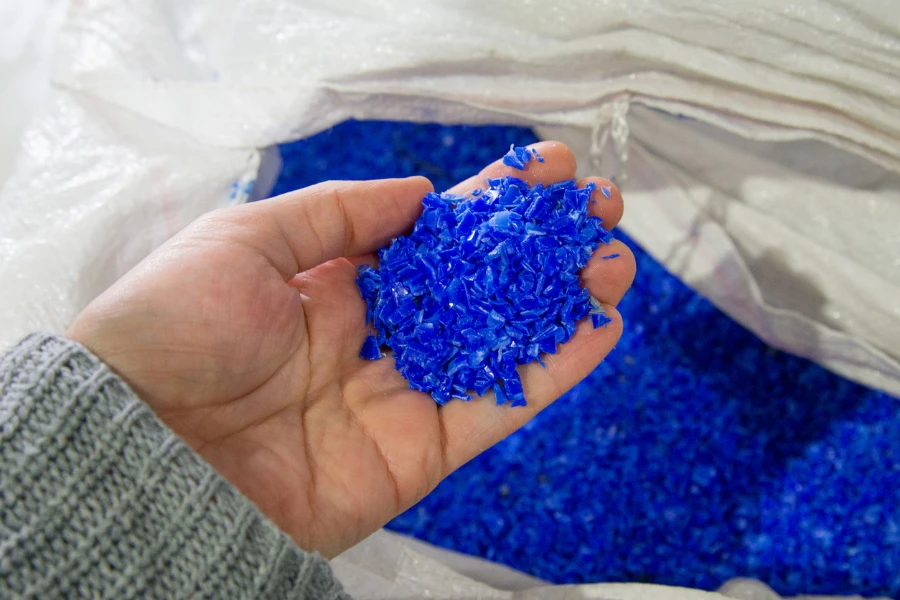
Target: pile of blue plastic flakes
692, 455
483, 284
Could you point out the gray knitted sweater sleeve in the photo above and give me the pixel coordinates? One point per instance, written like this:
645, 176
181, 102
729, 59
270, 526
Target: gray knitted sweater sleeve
99, 499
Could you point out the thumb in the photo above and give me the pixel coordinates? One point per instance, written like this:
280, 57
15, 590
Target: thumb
334, 219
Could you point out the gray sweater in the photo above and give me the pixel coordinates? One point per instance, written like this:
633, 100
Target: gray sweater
99, 499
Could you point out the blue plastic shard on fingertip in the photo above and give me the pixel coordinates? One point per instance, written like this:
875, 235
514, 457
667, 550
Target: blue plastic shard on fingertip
539, 158
609, 256
518, 157
523, 153
606, 191
600, 320
370, 349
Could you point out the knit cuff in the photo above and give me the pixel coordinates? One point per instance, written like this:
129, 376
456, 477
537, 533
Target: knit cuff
98, 498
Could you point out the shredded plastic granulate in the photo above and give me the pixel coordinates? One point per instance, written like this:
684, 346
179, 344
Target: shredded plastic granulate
693, 454
483, 284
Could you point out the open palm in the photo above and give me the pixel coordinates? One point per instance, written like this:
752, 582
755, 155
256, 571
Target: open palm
243, 333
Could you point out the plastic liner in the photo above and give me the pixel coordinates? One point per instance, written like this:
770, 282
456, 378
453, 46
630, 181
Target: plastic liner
758, 144
390, 566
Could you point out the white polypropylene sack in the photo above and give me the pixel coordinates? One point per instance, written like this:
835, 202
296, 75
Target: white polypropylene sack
760, 140
28, 33
388, 566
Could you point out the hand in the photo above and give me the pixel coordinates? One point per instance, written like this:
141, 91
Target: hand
243, 333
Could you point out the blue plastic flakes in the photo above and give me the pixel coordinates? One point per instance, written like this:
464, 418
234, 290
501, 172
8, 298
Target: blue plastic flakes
483, 284
601, 485
519, 156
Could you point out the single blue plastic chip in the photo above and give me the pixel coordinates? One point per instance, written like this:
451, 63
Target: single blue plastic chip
523, 153
484, 284
599, 320
519, 156
499, 395
370, 349
513, 387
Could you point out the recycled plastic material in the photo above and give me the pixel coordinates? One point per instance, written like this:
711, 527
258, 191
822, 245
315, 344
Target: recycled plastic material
519, 156
757, 143
484, 283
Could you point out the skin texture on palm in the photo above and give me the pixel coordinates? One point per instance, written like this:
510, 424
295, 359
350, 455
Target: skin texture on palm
243, 334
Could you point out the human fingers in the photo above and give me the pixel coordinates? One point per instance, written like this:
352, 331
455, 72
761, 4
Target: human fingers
606, 201
610, 272
558, 165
